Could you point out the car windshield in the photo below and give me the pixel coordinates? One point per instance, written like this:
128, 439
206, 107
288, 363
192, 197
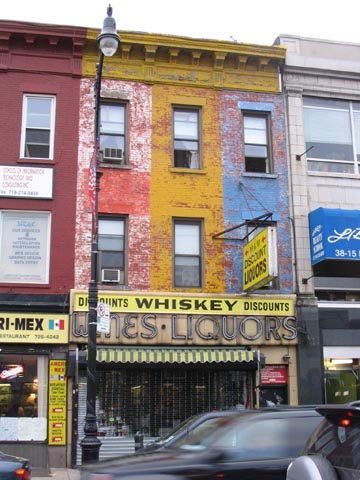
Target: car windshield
205, 434
178, 429
201, 436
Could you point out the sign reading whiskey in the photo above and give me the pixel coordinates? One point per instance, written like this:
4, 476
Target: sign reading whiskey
189, 320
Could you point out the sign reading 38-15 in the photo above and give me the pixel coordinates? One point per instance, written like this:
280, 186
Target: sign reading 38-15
334, 234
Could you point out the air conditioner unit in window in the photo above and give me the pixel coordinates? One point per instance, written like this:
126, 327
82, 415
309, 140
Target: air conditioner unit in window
113, 155
112, 275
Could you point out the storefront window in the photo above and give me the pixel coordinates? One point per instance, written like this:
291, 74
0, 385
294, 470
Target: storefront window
23, 397
341, 380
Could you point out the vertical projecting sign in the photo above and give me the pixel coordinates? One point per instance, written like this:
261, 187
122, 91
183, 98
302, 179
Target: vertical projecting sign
260, 260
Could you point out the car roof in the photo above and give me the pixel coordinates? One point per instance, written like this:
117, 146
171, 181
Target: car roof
336, 412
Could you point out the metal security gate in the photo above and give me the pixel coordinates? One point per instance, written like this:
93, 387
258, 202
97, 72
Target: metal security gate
154, 400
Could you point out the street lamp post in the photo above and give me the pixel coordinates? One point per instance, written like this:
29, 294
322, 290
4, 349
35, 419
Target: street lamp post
108, 41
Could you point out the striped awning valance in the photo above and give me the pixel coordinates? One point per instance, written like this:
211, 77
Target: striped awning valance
174, 355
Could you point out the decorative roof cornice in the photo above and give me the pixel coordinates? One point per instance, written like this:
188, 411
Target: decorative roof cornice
156, 58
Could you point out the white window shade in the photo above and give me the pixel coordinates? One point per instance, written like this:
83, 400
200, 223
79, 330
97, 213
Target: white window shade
187, 239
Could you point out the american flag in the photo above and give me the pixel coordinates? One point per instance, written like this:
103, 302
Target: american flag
92, 187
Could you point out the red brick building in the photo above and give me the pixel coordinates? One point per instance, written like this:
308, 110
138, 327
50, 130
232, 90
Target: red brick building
40, 69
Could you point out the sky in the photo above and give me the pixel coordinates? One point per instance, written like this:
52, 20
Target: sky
244, 21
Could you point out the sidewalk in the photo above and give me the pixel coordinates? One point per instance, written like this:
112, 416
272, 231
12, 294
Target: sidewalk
55, 474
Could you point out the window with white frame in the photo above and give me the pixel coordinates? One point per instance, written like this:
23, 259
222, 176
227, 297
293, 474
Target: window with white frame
256, 143
38, 127
112, 132
187, 254
332, 135
186, 137
111, 245
24, 246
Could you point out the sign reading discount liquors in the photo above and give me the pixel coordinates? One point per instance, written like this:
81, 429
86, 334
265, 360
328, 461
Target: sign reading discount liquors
260, 260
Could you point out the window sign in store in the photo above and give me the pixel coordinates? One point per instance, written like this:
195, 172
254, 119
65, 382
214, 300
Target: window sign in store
57, 402
26, 182
11, 372
24, 247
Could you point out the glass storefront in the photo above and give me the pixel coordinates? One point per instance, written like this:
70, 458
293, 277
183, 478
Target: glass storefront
341, 380
23, 397
340, 322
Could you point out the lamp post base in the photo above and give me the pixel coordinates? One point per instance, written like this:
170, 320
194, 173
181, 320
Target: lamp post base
90, 444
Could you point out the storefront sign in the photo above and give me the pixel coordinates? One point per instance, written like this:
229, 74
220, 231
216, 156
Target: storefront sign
25, 247
33, 328
260, 260
151, 329
25, 181
334, 234
274, 375
11, 372
57, 402
225, 305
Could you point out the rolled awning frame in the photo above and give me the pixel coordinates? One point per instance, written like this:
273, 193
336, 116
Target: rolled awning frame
161, 355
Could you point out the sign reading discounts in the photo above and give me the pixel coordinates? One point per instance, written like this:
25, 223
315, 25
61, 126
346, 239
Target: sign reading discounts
260, 260
57, 402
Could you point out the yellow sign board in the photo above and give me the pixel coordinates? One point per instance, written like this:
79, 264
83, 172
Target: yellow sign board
33, 328
260, 260
182, 304
57, 402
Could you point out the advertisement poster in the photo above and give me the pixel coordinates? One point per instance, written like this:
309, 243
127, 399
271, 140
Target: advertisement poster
25, 247
57, 402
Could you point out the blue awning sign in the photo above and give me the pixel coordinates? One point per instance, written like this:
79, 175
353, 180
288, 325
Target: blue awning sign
334, 234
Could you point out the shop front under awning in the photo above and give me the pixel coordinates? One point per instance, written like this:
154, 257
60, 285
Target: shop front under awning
128, 355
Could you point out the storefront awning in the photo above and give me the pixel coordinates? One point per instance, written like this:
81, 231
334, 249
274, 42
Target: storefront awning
175, 355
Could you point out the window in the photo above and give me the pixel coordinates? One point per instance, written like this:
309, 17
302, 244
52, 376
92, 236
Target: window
23, 397
187, 261
256, 140
24, 246
332, 135
38, 125
186, 138
111, 244
266, 438
112, 132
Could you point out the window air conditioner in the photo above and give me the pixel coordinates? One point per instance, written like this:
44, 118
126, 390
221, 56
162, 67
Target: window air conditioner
115, 155
112, 275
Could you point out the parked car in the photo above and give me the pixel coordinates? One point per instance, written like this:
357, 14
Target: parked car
192, 425
14, 468
333, 450
255, 444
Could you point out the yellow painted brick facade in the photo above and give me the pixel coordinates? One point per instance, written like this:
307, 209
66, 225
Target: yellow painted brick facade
185, 193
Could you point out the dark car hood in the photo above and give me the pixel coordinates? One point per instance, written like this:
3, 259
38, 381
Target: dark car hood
160, 461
